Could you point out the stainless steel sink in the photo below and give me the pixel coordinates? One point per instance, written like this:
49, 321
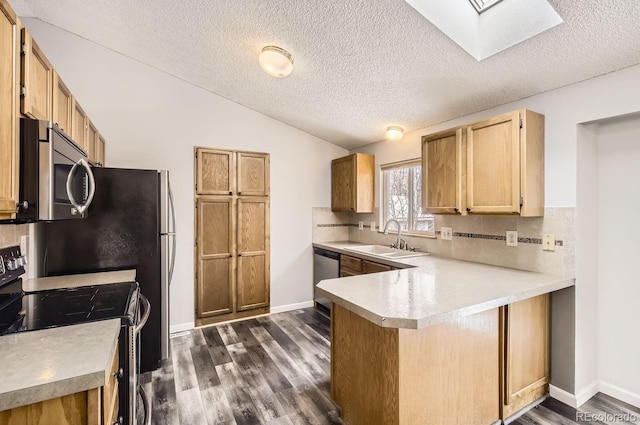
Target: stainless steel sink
384, 251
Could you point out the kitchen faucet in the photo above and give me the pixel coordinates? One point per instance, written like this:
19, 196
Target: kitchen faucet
386, 231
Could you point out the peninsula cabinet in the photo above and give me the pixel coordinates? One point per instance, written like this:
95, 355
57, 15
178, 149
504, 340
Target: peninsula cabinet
495, 166
442, 179
352, 266
232, 235
352, 183
37, 80
524, 347
9, 84
62, 104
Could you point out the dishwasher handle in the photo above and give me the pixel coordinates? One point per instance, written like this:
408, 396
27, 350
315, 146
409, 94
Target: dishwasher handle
324, 253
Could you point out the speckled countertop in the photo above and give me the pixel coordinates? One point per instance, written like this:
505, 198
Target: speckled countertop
50, 363
73, 281
432, 289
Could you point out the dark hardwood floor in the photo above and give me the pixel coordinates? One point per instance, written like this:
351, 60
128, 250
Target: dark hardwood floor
274, 370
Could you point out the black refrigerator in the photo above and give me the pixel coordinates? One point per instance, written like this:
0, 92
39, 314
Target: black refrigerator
130, 225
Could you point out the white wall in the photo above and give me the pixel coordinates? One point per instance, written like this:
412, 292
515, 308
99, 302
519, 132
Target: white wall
152, 120
618, 233
565, 109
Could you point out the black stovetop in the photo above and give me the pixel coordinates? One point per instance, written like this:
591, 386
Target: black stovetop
20, 312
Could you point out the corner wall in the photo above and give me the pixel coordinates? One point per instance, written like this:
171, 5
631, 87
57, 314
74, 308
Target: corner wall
153, 120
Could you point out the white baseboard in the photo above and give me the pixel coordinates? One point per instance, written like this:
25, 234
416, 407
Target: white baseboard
620, 394
586, 393
563, 396
181, 327
289, 307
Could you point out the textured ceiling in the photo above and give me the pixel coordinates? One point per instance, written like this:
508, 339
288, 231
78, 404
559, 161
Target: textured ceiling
359, 65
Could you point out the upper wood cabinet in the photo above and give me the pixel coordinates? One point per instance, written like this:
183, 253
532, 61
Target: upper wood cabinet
215, 172
9, 87
495, 166
62, 105
352, 183
524, 346
79, 125
100, 150
37, 80
442, 176
253, 174
92, 142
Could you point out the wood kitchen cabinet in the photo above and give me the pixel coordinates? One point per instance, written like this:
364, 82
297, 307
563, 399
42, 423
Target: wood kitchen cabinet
62, 105
97, 406
495, 166
443, 175
232, 240
524, 347
352, 183
79, 125
37, 80
92, 142
9, 87
353, 266
505, 165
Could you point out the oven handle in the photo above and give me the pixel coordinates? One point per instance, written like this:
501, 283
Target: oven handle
146, 310
92, 186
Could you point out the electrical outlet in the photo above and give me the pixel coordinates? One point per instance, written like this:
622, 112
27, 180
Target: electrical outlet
373, 226
548, 242
446, 233
512, 238
361, 225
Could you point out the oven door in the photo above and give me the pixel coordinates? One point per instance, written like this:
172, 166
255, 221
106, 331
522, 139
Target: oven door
71, 184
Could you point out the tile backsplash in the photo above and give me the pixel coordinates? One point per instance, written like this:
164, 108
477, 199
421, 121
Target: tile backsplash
475, 238
10, 234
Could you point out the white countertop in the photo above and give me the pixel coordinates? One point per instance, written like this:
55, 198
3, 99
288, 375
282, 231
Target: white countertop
50, 363
76, 280
434, 290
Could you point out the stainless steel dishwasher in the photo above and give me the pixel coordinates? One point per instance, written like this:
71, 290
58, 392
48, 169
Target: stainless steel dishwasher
326, 265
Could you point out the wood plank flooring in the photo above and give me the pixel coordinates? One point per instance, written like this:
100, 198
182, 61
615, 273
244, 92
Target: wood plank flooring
275, 370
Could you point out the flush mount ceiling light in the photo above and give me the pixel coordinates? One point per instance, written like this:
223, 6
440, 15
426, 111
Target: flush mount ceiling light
395, 132
276, 61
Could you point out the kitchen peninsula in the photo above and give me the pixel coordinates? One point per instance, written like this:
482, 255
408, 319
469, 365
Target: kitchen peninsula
439, 342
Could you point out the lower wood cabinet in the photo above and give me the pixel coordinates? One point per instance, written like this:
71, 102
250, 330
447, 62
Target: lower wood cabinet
97, 406
353, 266
524, 360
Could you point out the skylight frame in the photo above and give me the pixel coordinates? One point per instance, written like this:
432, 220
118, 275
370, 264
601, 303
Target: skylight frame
483, 5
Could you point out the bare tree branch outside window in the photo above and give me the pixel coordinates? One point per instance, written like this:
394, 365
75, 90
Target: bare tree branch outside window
403, 198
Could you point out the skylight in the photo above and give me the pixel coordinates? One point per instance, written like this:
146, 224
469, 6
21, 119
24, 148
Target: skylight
482, 5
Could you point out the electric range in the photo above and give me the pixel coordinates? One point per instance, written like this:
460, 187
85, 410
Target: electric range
32, 311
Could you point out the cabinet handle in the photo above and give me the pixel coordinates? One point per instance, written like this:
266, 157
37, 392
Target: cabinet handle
119, 374
120, 421
239, 193
468, 209
230, 193
456, 209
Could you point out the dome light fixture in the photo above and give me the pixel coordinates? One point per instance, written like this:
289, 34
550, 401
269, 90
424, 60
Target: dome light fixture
395, 132
276, 61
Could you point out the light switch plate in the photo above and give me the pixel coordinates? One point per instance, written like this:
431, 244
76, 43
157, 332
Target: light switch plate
361, 225
548, 242
446, 233
373, 226
512, 238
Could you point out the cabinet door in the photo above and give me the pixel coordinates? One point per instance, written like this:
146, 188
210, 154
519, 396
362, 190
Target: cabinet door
79, 125
37, 80
253, 174
100, 151
253, 253
371, 267
343, 183
442, 172
525, 351
92, 142
493, 165
62, 104
9, 82
214, 246
215, 172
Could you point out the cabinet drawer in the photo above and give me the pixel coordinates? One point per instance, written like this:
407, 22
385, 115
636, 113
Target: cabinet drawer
371, 267
347, 273
351, 263
110, 390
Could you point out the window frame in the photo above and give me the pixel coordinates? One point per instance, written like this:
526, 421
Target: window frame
409, 163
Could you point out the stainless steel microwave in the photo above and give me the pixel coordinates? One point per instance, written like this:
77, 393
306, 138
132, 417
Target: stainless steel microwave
56, 182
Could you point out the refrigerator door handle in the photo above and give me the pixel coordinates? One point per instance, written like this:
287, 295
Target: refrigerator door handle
173, 236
